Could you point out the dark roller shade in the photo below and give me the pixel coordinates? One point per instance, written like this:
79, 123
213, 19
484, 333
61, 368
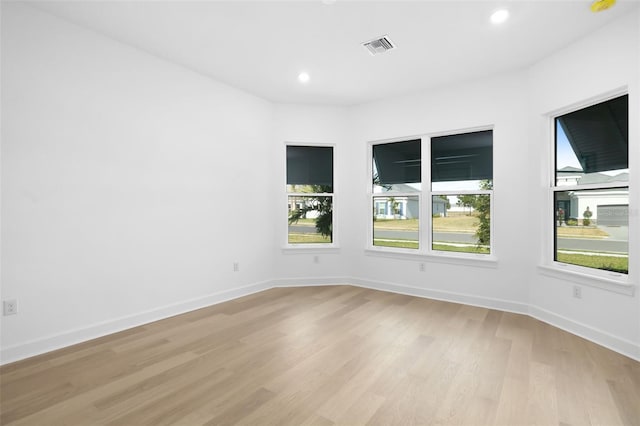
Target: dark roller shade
599, 135
467, 156
397, 162
310, 165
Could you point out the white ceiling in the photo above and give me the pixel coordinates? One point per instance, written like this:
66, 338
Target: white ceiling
262, 46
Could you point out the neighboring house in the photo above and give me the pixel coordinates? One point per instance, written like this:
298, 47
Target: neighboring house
404, 207
298, 203
439, 207
397, 207
608, 207
568, 176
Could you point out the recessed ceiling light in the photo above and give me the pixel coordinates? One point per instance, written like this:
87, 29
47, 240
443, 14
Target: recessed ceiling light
303, 77
499, 16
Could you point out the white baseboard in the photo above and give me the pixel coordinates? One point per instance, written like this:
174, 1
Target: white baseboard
83, 334
465, 299
309, 282
57, 341
484, 302
587, 332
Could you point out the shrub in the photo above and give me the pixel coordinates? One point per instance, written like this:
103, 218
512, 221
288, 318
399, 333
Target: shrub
572, 222
587, 217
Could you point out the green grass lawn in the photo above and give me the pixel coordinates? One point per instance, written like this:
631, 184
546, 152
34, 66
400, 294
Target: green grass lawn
469, 224
396, 243
607, 263
456, 223
465, 249
308, 239
580, 232
396, 224
441, 247
451, 223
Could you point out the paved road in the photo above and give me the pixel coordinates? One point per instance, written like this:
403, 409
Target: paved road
303, 229
449, 237
587, 244
620, 246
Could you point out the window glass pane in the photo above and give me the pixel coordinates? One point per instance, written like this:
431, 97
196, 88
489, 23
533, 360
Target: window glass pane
592, 228
397, 167
461, 223
310, 165
395, 221
592, 144
461, 162
310, 219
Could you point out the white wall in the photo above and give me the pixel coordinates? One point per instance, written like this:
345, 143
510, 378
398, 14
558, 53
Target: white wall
128, 185
312, 125
599, 64
497, 102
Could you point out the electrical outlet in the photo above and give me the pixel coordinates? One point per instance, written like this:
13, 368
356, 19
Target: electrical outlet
577, 292
316, 259
10, 307
236, 267
421, 267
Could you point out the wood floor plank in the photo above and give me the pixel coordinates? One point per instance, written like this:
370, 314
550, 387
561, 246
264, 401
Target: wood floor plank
327, 355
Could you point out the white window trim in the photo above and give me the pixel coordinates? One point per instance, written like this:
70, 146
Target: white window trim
310, 248
607, 280
425, 236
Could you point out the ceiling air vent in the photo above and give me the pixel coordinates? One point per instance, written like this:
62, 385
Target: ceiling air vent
379, 45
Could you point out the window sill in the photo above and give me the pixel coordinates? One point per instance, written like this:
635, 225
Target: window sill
477, 260
621, 286
314, 249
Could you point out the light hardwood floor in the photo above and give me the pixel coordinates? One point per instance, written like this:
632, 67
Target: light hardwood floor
328, 355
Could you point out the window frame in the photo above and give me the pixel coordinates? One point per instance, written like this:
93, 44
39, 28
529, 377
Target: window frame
372, 195
288, 247
425, 236
608, 280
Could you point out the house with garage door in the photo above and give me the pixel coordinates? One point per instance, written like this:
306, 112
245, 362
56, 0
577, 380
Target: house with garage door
592, 171
608, 206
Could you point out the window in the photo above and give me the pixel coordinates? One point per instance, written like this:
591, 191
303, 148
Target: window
457, 199
461, 185
310, 194
590, 190
396, 200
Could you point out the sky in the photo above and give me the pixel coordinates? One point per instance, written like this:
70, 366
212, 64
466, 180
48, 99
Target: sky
565, 155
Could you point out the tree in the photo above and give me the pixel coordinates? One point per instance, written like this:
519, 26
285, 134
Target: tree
483, 207
587, 217
395, 205
467, 201
447, 204
318, 203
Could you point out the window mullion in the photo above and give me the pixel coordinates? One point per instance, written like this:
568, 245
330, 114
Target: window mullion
464, 192
425, 221
310, 194
591, 186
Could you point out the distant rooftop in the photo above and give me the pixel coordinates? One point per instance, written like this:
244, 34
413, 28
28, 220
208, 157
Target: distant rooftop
588, 178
